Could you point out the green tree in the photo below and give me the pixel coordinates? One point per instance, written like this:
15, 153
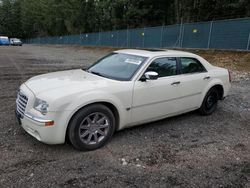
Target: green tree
38, 18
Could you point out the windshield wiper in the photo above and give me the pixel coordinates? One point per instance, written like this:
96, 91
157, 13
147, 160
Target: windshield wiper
96, 73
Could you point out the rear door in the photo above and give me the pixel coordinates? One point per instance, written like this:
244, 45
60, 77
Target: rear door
193, 79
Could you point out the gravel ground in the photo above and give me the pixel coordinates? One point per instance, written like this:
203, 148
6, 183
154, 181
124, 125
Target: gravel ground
184, 151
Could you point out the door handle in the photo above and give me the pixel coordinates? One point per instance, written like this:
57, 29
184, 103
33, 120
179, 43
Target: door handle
206, 78
176, 83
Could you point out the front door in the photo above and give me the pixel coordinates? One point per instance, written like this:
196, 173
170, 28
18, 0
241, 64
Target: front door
154, 99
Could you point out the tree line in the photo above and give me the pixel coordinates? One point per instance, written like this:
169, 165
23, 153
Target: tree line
38, 18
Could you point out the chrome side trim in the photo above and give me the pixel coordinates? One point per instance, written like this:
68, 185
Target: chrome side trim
37, 119
166, 100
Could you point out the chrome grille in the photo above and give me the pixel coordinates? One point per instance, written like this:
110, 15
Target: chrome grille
21, 103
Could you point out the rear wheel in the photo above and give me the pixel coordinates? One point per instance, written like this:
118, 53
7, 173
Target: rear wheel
209, 104
91, 127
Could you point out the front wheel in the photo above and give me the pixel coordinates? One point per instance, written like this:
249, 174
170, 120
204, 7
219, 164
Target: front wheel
91, 127
209, 103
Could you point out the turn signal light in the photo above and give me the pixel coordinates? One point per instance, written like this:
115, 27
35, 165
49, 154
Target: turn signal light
49, 123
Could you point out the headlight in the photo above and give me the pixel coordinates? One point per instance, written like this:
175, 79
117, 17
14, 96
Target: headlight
41, 106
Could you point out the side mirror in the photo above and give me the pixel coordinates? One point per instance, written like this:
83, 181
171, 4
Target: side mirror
150, 75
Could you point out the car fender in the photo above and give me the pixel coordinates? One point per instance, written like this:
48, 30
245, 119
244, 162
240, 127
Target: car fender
95, 97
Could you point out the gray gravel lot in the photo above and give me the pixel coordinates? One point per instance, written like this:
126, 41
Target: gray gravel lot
184, 151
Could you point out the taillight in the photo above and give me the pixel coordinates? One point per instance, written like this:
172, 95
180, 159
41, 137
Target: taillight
229, 76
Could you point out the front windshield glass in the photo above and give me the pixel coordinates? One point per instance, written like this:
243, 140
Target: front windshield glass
117, 66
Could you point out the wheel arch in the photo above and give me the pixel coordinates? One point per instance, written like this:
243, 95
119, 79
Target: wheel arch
220, 90
216, 84
109, 105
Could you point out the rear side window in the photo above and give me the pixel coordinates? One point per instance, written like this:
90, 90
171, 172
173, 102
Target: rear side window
191, 65
163, 66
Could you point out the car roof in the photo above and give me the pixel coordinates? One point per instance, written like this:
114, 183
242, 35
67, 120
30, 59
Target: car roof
155, 52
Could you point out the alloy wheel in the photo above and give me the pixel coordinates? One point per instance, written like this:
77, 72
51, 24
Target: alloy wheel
94, 128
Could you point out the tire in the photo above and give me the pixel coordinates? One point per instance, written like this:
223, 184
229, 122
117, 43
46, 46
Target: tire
91, 127
209, 104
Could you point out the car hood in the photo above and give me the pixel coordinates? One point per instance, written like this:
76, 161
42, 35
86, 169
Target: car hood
63, 81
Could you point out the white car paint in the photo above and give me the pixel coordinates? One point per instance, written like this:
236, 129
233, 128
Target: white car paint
136, 102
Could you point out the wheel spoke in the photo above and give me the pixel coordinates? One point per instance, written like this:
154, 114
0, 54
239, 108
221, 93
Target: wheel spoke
101, 120
85, 134
88, 120
89, 138
104, 126
101, 132
95, 117
82, 123
84, 127
95, 137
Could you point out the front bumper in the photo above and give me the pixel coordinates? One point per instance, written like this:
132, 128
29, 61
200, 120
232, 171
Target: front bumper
37, 119
35, 126
34, 123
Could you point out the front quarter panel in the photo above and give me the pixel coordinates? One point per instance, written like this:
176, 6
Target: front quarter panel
118, 94
100, 96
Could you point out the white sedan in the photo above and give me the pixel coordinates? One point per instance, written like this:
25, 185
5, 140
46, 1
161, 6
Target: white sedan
123, 89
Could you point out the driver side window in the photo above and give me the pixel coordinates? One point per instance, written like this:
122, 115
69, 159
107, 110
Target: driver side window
166, 66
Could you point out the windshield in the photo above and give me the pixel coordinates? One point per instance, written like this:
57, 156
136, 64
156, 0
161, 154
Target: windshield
4, 38
117, 66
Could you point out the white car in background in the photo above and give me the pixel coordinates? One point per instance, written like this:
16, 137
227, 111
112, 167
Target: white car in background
15, 42
123, 89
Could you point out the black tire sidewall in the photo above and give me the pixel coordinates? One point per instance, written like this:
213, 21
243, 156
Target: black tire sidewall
203, 109
73, 131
